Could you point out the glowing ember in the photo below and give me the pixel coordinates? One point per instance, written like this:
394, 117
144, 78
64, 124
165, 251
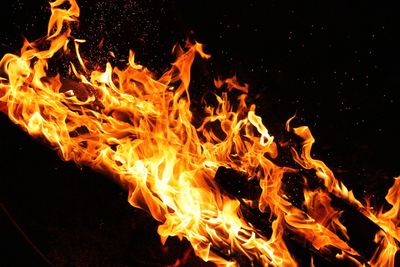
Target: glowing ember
138, 128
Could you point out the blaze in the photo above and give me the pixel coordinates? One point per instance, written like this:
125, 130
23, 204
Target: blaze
139, 129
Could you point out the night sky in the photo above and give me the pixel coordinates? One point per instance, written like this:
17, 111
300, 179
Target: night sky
333, 63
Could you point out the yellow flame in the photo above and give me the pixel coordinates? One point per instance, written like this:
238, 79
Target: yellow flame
388, 221
139, 129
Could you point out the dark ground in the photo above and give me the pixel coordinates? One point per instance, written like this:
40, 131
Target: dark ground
335, 63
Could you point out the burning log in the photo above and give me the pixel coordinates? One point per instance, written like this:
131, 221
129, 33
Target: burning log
316, 172
361, 235
82, 92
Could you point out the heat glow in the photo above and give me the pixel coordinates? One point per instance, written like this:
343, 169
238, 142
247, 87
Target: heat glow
138, 128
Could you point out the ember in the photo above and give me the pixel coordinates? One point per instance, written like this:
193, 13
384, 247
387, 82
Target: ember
219, 182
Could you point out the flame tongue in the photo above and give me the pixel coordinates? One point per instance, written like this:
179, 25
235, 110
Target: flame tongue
139, 129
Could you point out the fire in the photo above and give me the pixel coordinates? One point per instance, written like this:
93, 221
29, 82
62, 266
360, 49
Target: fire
139, 129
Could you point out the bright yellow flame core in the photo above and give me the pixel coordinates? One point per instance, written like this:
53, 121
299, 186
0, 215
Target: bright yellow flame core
139, 129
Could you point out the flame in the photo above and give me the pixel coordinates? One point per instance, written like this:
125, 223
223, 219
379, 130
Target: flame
139, 129
318, 204
388, 221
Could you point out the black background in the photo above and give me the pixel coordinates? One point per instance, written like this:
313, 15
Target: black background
334, 63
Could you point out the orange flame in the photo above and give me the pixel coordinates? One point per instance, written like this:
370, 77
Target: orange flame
388, 221
139, 129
